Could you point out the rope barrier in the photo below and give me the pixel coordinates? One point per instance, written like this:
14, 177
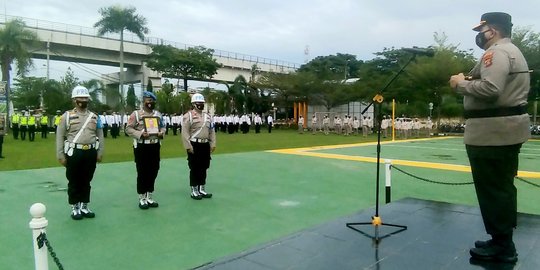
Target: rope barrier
528, 182
452, 183
432, 181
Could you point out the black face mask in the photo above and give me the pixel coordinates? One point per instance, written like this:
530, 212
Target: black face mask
199, 107
150, 105
481, 39
82, 104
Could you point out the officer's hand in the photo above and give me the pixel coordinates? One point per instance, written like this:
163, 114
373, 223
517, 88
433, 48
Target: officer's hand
455, 79
160, 135
145, 135
212, 149
62, 161
190, 150
99, 158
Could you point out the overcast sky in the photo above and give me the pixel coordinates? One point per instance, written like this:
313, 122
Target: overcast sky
281, 29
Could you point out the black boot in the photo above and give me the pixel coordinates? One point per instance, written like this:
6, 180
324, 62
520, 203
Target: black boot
500, 248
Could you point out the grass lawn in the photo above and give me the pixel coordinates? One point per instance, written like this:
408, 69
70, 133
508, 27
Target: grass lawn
22, 155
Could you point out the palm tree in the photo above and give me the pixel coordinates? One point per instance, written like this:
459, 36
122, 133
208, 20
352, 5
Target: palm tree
14, 41
116, 19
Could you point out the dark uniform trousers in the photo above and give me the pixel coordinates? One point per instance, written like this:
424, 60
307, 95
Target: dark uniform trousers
22, 130
1, 143
15, 128
80, 168
198, 163
44, 131
493, 170
31, 132
147, 157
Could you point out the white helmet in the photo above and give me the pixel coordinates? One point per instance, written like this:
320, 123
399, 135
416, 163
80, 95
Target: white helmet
197, 98
80, 91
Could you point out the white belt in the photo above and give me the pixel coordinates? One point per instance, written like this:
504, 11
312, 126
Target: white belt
82, 146
199, 140
149, 141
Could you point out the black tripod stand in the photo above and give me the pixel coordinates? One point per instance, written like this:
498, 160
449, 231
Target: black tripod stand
376, 220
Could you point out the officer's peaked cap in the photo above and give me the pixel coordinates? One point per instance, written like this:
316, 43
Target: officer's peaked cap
497, 18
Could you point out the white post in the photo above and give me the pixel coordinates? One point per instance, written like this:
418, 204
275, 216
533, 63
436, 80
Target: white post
388, 175
38, 224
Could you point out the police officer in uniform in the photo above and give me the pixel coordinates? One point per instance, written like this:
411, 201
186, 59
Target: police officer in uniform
44, 125
3, 128
495, 99
199, 140
15, 120
32, 124
146, 147
23, 125
79, 145
57, 118
301, 124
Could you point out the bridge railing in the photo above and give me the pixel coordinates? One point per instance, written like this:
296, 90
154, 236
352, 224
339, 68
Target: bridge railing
128, 37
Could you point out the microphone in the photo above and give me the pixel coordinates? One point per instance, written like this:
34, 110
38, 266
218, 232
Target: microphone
420, 51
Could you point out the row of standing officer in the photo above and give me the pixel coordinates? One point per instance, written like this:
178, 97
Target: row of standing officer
80, 145
29, 122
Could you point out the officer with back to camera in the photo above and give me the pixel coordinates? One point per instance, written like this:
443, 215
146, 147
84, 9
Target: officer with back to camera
3, 127
199, 140
79, 145
495, 103
44, 124
57, 119
15, 120
146, 148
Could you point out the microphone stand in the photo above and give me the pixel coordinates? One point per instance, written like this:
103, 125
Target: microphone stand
376, 220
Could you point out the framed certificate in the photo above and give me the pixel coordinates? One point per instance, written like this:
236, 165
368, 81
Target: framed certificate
151, 125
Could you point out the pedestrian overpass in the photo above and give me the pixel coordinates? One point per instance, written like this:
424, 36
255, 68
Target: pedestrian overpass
65, 42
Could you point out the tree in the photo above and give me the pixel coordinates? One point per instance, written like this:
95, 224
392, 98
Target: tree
282, 87
56, 94
237, 92
149, 86
14, 43
116, 19
131, 99
528, 42
191, 63
427, 79
333, 67
26, 92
